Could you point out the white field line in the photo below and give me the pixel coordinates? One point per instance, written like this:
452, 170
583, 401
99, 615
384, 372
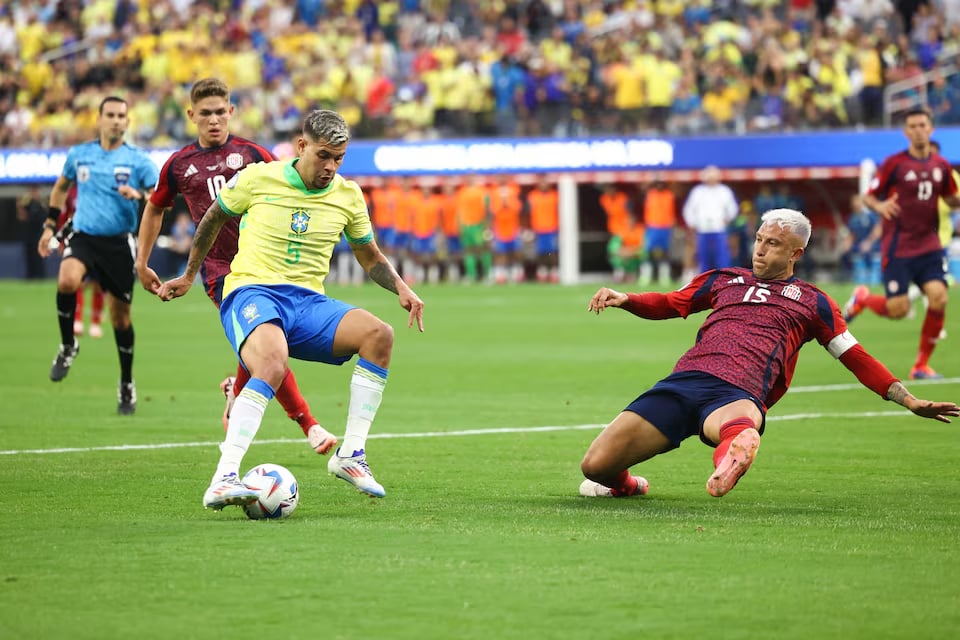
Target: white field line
485, 432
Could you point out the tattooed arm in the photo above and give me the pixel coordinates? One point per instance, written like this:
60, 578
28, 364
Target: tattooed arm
923, 408
204, 237
382, 272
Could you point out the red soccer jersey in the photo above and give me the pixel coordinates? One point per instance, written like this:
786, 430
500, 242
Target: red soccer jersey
774, 318
919, 185
199, 174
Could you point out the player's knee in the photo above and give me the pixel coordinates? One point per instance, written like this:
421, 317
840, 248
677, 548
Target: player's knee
379, 336
271, 370
898, 308
594, 466
938, 300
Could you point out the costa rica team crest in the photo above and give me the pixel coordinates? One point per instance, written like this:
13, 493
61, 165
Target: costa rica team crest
792, 291
299, 221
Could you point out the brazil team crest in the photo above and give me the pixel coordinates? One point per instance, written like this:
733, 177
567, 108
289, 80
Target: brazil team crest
299, 221
250, 312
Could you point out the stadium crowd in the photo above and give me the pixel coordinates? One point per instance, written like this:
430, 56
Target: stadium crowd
421, 69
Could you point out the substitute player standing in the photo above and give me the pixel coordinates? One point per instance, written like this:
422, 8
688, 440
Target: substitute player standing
906, 192
199, 171
741, 365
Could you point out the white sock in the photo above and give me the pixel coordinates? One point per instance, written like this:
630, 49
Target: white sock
245, 419
366, 392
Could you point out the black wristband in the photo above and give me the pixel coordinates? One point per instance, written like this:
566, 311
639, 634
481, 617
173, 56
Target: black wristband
53, 217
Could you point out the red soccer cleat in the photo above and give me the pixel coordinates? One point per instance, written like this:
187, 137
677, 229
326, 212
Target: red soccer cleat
735, 463
857, 303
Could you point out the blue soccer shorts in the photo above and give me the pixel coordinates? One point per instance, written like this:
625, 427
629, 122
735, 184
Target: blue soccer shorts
898, 273
679, 404
309, 319
657, 239
547, 243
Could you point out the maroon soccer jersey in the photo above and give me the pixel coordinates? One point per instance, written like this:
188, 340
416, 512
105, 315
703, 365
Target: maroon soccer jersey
199, 174
754, 334
919, 185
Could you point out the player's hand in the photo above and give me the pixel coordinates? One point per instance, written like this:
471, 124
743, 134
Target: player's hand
149, 279
940, 411
129, 192
175, 288
889, 208
43, 246
604, 298
412, 303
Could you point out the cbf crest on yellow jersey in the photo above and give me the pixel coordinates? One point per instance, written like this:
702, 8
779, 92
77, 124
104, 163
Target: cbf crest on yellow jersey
288, 232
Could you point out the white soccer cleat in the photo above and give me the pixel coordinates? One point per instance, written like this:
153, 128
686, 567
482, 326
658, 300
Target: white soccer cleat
226, 491
95, 331
321, 440
591, 489
354, 469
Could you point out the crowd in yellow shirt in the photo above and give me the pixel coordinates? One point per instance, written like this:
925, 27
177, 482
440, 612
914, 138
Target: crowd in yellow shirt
592, 68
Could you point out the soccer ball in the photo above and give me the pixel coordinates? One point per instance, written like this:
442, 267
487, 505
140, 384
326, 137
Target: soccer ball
278, 492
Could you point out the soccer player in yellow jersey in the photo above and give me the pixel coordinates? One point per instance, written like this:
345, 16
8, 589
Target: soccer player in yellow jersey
945, 210
274, 306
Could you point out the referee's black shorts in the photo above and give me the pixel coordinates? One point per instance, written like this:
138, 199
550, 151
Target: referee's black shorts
108, 259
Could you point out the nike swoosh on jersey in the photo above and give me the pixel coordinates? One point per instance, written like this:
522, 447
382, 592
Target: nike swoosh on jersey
273, 198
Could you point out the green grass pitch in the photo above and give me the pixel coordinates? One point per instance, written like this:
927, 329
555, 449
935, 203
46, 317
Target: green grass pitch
847, 525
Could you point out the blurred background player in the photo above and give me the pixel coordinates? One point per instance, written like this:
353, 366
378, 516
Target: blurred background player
616, 206
861, 243
473, 208
383, 202
408, 199
543, 202
423, 244
450, 220
505, 211
741, 233
625, 250
112, 179
659, 219
906, 192
947, 222
199, 171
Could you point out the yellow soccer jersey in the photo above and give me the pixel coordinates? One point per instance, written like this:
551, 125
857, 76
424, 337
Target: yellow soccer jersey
946, 218
288, 232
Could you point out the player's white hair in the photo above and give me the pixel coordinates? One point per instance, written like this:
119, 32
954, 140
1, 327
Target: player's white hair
326, 126
791, 220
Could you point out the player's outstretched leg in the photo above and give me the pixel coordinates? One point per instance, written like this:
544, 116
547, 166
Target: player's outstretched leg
856, 303
227, 388
321, 440
293, 402
636, 486
735, 463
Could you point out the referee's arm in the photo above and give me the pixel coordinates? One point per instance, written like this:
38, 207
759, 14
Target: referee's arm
58, 200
